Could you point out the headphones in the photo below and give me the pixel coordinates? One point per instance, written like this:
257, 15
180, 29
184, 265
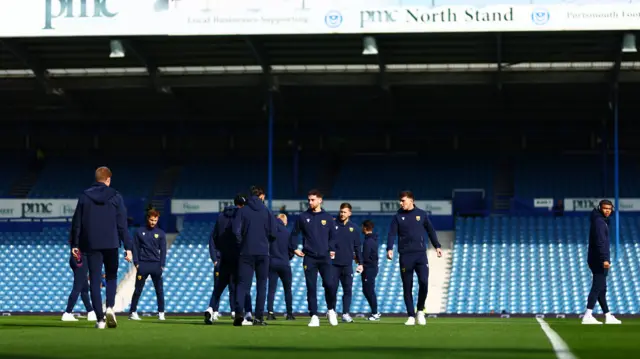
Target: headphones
606, 202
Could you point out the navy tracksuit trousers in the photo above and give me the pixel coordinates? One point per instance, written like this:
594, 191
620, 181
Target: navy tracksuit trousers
369, 275
80, 288
409, 263
144, 270
282, 271
96, 259
343, 275
247, 266
311, 268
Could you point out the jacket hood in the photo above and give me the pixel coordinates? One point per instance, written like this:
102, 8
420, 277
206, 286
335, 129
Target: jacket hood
373, 236
316, 213
400, 210
100, 193
255, 203
595, 214
229, 211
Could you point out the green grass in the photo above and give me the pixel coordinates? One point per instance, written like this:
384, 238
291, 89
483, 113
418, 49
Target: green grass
185, 338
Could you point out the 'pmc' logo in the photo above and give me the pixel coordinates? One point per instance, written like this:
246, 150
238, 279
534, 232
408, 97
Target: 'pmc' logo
70, 9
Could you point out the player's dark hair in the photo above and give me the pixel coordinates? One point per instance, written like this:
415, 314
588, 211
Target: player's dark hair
240, 199
407, 194
346, 205
368, 225
257, 191
152, 211
315, 192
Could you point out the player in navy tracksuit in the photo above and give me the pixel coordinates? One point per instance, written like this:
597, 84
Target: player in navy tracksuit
347, 248
80, 288
150, 259
224, 253
99, 225
599, 260
370, 270
408, 225
280, 254
318, 248
254, 227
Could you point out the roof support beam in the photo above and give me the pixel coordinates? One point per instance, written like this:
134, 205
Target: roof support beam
615, 69
32, 63
262, 58
148, 62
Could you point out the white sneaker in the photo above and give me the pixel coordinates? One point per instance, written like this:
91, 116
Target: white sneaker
68, 317
161, 316
410, 321
248, 317
208, 316
346, 318
375, 317
112, 322
216, 316
134, 316
610, 319
421, 319
590, 320
247, 323
101, 325
233, 315
333, 317
314, 322
91, 316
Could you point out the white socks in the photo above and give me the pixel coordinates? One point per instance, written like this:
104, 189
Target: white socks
588, 313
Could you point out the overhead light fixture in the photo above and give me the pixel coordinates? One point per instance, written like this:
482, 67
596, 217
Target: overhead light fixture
629, 43
117, 50
370, 47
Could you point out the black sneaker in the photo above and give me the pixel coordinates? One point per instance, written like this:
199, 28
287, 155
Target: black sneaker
259, 323
271, 316
290, 317
237, 321
207, 318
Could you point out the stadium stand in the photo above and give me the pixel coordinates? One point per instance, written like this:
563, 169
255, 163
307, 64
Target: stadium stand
34, 271
432, 178
536, 265
65, 176
12, 168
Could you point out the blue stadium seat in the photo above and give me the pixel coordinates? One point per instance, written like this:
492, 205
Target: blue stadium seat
536, 265
34, 271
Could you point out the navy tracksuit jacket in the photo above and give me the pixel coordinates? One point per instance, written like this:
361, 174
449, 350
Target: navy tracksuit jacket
99, 225
598, 253
318, 239
347, 249
370, 272
223, 249
254, 227
409, 228
280, 253
150, 258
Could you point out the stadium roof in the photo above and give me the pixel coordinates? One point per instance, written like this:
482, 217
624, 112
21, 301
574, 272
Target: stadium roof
162, 64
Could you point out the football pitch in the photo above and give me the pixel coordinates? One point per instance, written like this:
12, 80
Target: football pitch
30, 337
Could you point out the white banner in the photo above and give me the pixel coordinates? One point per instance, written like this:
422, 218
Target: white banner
588, 204
37, 208
41, 18
543, 203
192, 206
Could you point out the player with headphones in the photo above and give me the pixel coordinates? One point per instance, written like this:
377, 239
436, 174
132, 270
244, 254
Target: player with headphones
599, 260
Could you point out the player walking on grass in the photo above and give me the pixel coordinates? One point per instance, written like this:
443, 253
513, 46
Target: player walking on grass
347, 248
255, 228
80, 288
150, 259
225, 265
408, 225
280, 254
318, 248
370, 268
98, 226
599, 260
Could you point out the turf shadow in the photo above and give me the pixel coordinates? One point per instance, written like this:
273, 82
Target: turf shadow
398, 350
37, 325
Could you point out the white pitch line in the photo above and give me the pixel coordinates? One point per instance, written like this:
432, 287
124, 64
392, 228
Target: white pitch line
559, 346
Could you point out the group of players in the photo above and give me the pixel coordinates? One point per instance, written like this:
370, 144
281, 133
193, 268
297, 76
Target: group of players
249, 240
